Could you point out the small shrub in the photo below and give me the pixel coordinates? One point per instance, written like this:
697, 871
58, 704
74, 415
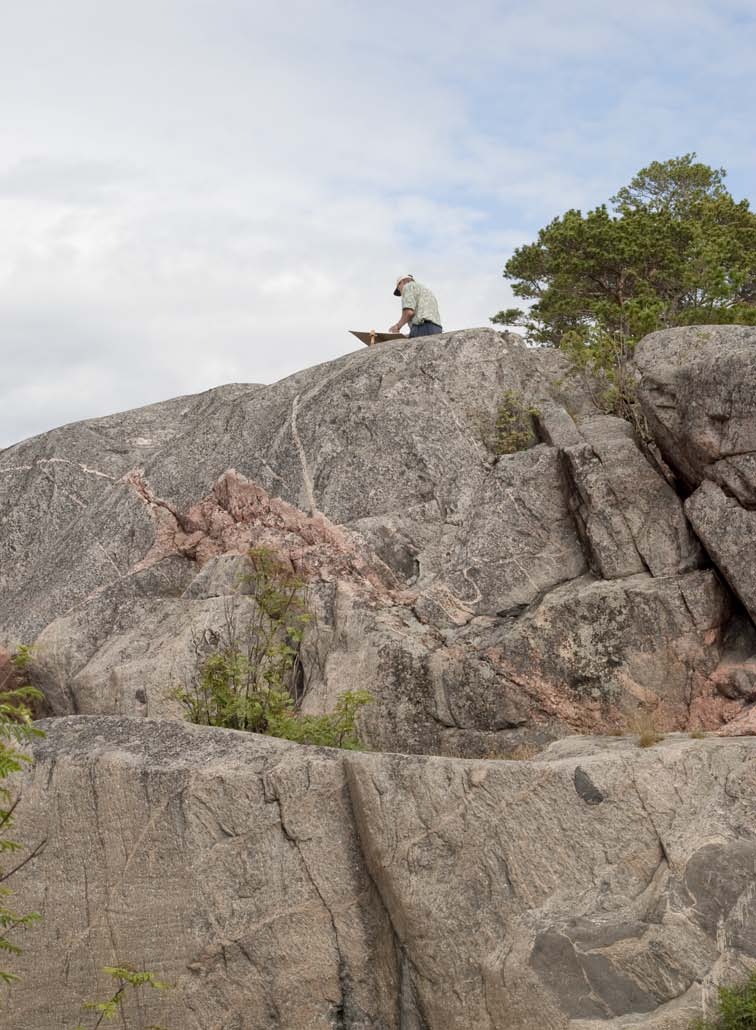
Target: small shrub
603, 361
514, 424
335, 729
647, 730
524, 752
247, 681
736, 1008
243, 683
647, 738
111, 1008
697, 734
16, 730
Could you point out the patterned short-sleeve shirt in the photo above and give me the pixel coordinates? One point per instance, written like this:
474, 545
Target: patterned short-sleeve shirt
422, 302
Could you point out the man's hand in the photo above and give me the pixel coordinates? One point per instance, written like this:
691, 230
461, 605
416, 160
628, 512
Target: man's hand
407, 315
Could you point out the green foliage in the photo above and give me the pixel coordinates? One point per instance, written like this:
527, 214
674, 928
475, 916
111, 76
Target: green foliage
111, 1007
604, 360
736, 1008
674, 249
335, 729
674, 186
16, 730
514, 424
245, 682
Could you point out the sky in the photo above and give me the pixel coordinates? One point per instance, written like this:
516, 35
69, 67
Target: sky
195, 192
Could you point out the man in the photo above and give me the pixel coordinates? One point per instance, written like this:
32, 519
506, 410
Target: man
419, 308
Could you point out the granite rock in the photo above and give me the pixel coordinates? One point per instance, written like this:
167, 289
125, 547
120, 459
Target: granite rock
279, 886
489, 602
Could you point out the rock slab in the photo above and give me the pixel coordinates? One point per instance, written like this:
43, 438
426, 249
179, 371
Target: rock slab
278, 886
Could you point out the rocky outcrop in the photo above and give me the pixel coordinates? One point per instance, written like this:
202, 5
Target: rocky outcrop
489, 602
697, 387
600, 886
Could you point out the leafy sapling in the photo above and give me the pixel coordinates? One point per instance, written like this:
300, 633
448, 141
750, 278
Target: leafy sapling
112, 1007
246, 681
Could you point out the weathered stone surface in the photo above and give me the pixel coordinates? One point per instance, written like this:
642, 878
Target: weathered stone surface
447, 580
601, 886
697, 387
698, 391
588, 656
51, 483
728, 532
555, 426
516, 542
735, 676
594, 651
632, 519
743, 725
396, 433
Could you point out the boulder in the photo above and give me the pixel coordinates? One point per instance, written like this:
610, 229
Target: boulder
598, 652
697, 388
735, 676
279, 886
743, 725
728, 532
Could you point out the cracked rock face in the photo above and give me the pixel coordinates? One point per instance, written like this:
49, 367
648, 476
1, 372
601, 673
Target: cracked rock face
698, 391
494, 605
281, 886
490, 603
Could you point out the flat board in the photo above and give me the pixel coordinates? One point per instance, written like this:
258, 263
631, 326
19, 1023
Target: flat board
371, 337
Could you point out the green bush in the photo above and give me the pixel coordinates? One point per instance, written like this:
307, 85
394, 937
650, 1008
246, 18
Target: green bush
736, 1008
672, 248
336, 729
246, 681
16, 730
603, 360
514, 424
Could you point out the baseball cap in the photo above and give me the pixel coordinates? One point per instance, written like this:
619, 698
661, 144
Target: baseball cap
397, 291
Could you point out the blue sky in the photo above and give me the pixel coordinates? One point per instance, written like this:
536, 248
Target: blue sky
198, 192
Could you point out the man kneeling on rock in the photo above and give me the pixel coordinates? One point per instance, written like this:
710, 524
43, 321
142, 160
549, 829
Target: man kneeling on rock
419, 308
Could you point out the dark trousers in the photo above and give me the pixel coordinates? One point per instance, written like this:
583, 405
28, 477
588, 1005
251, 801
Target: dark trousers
425, 329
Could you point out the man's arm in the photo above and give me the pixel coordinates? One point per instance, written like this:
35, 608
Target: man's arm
407, 315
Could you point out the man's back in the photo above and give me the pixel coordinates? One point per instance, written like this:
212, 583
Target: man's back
417, 296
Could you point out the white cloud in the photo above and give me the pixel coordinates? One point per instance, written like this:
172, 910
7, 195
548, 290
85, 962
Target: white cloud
198, 193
